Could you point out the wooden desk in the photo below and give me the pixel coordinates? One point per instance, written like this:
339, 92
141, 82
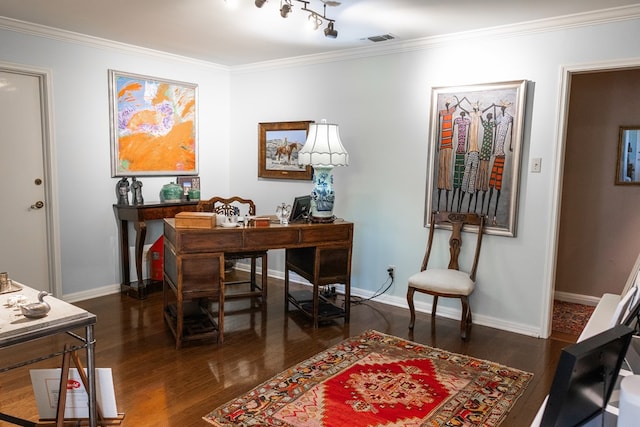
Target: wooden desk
139, 215
63, 318
321, 253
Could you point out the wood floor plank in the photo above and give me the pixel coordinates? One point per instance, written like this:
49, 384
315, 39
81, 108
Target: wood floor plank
157, 385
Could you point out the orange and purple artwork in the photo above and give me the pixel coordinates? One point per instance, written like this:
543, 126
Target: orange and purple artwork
153, 126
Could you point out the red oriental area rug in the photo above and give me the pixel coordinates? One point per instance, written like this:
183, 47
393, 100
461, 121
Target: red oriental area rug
380, 380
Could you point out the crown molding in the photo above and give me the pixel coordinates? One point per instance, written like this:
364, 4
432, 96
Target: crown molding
44, 31
566, 22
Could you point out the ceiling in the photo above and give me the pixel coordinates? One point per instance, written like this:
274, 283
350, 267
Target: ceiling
212, 31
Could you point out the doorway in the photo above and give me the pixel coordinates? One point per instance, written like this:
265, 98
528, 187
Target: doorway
28, 232
597, 233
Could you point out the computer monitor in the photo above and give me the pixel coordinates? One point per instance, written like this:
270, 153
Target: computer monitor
301, 209
585, 378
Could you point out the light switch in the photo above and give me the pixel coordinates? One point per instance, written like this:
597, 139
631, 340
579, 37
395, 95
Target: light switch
536, 165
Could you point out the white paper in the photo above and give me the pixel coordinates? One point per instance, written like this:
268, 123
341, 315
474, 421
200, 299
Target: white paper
46, 386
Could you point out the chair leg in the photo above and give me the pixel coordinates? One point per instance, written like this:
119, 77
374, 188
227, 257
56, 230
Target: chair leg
434, 306
412, 310
465, 322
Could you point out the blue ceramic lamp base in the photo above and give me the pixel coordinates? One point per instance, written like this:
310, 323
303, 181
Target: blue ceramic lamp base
322, 196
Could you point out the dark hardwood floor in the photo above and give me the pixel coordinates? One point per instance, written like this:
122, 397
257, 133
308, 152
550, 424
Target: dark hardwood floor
157, 385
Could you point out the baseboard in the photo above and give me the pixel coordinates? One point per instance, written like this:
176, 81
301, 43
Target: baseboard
92, 293
443, 311
576, 298
455, 314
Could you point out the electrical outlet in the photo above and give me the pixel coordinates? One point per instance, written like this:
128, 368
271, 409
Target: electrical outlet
391, 270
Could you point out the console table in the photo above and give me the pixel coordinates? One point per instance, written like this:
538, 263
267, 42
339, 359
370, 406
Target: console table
321, 253
139, 215
62, 318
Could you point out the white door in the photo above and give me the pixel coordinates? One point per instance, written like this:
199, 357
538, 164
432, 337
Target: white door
23, 221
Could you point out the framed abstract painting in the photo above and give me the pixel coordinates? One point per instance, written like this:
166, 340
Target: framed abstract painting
153, 126
474, 152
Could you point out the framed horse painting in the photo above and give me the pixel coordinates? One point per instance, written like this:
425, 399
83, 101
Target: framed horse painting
278, 147
474, 153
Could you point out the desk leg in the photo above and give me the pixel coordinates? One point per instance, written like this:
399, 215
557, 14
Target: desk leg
286, 285
124, 253
91, 374
141, 234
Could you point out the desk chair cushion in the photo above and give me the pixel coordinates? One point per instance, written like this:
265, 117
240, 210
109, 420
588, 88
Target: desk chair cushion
443, 281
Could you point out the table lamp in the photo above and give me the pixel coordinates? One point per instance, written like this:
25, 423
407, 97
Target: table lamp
323, 150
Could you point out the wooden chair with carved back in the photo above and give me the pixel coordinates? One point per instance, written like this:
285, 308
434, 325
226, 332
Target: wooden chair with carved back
230, 206
450, 282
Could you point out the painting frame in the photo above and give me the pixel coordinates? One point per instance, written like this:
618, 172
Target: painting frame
491, 160
628, 157
271, 160
188, 183
153, 125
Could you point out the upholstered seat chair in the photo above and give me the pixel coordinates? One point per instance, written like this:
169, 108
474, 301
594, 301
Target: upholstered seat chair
450, 282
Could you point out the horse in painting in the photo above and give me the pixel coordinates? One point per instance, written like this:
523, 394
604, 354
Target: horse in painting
285, 151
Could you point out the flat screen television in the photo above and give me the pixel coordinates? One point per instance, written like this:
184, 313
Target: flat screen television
585, 378
301, 209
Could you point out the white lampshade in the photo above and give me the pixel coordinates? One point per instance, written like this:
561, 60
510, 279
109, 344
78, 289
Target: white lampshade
323, 146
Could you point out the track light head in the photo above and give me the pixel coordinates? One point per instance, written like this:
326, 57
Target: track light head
260, 3
330, 32
285, 10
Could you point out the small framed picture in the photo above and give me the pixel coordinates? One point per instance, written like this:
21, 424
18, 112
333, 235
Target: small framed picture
628, 165
189, 183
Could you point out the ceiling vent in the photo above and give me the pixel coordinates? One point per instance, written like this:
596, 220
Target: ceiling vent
382, 38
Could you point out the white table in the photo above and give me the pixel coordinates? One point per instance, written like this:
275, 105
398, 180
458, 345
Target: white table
16, 329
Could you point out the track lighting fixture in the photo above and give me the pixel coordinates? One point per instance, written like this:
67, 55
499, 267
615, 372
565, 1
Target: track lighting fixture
316, 18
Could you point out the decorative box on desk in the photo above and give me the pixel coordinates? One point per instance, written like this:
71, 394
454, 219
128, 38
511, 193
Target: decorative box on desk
195, 220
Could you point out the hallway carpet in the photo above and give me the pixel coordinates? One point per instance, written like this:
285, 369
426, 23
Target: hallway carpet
569, 319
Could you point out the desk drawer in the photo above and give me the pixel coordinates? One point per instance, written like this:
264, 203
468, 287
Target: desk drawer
196, 241
271, 238
331, 233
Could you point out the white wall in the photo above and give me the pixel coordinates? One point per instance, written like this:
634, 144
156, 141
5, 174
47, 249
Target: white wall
86, 192
382, 105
